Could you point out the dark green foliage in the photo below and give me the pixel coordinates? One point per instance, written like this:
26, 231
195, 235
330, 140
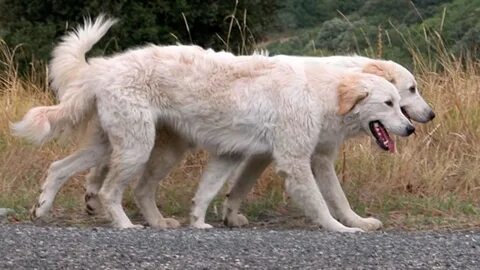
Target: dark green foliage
37, 24
308, 13
460, 27
313, 27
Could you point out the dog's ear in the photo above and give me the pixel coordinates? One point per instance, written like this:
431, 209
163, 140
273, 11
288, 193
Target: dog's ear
381, 69
349, 94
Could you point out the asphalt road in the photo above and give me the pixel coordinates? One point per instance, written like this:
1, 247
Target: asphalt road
29, 247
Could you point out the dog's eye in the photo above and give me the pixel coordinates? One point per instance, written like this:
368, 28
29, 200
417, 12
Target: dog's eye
389, 103
412, 89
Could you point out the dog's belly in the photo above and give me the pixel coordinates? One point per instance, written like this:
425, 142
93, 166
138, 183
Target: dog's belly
224, 136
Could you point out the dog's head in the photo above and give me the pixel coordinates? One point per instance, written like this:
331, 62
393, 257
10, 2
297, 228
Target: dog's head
411, 102
374, 104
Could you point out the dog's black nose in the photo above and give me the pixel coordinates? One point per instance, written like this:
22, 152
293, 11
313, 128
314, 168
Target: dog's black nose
431, 115
410, 129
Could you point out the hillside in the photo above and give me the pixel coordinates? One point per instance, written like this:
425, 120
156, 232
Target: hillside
388, 29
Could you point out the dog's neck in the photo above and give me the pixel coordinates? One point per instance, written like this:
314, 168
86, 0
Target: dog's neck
338, 129
350, 126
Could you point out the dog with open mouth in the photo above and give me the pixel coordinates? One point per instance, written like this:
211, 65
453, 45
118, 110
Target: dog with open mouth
250, 106
413, 106
169, 142
169, 149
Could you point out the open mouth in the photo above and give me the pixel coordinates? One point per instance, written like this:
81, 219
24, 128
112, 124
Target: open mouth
381, 136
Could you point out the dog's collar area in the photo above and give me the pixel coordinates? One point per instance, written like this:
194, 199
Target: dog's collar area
381, 136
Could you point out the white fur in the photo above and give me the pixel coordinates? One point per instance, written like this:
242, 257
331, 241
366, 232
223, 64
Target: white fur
413, 103
230, 105
67, 64
68, 58
42, 124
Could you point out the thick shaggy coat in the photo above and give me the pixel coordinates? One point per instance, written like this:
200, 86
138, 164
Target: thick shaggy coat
236, 107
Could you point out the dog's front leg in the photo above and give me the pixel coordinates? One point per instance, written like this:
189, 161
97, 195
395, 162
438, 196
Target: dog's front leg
246, 177
168, 151
218, 170
326, 178
301, 187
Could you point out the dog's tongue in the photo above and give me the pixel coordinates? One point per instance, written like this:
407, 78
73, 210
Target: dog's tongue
390, 143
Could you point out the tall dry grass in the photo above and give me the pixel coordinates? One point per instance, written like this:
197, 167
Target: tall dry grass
436, 172
433, 180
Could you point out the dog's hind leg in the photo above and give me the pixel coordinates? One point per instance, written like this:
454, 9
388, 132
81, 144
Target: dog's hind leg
326, 178
93, 149
131, 132
247, 175
97, 174
60, 171
94, 181
218, 170
168, 151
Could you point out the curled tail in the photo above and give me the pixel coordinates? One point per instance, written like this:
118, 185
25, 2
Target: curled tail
42, 124
68, 57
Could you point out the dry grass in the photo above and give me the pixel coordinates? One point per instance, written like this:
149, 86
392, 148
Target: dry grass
435, 174
432, 182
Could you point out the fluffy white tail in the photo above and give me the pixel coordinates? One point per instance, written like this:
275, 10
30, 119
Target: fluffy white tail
68, 57
42, 124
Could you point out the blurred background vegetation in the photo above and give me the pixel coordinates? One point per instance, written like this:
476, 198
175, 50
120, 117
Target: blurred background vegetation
37, 25
432, 182
307, 27
378, 28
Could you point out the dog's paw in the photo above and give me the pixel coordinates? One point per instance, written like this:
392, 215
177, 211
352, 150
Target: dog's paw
159, 223
350, 230
372, 224
38, 211
235, 220
367, 224
93, 206
201, 225
130, 226
165, 223
334, 226
172, 223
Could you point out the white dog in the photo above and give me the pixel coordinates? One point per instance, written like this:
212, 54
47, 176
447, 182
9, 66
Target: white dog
234, 107
412, 105
246, 174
